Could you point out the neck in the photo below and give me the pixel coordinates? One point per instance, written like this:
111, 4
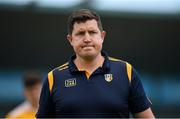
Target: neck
35, 106
89, 65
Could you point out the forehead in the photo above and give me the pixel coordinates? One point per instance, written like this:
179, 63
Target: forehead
89, 24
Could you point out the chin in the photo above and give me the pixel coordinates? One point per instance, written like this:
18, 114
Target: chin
89, 56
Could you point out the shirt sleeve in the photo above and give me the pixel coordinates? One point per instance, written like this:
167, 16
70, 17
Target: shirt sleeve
45, 104
138, 101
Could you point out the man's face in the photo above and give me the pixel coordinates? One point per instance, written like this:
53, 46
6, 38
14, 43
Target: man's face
86, 39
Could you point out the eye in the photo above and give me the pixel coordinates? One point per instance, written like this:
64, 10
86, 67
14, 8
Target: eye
80, 33
92, 32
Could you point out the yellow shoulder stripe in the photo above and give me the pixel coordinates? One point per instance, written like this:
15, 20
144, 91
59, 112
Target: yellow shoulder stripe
128, 67
129, 71
64, 65
114, 59
62, 68
50, 80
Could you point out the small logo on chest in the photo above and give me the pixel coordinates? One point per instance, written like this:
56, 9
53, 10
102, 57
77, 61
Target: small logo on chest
70, 82
108, 77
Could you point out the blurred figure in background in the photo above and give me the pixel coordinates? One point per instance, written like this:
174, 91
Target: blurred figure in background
32, 82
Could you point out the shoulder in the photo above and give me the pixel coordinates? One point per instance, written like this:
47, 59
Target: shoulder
119, 61
20, 110
60, 68
122, 64
55, 73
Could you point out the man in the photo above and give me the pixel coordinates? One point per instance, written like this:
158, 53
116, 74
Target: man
92, 84
32, 88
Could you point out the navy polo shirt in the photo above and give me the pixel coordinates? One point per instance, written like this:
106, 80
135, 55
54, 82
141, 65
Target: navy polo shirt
113, 90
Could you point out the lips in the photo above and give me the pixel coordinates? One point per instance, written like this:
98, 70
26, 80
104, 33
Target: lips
87, 46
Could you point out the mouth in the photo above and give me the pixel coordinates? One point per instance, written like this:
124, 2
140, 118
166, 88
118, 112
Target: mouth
87, 46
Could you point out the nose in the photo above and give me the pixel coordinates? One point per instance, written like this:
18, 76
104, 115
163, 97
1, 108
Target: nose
87, 37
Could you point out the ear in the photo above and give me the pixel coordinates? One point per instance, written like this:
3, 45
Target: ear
69, 38
103, 35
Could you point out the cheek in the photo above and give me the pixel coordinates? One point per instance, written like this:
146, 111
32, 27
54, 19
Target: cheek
99, 42
76, 44
99, 39
99, 45
76, 47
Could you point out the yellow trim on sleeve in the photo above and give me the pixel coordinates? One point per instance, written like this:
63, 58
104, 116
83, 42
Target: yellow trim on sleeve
129, 71
50, 80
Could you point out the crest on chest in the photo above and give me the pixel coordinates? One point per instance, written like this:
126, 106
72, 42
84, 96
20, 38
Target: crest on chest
108, 77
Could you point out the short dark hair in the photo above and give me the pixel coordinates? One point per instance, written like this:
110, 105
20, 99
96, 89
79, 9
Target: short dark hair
31, 78
83, 15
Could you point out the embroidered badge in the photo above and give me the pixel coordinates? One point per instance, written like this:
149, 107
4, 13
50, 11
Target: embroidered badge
70, 82
108, 77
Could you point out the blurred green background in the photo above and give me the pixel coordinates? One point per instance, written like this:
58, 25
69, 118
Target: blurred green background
146, 33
